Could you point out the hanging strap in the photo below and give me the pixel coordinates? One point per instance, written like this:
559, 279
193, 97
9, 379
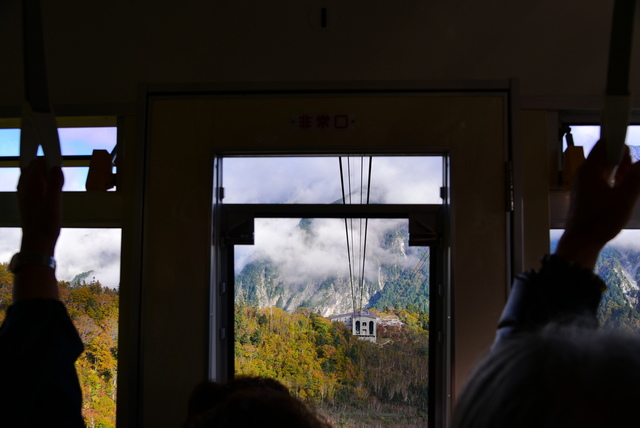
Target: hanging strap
616, 112
38, 121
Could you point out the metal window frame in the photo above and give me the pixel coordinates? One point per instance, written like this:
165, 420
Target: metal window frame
427, 224
559, 198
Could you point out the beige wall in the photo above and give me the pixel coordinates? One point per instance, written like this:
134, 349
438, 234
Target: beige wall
535, 152
182, 138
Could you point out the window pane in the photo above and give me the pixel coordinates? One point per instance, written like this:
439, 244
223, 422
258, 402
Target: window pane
9, 179
73, 142
74, 179
619, 266
295, 292
9, 142
588, 136
393, 179
89, 274
82, 141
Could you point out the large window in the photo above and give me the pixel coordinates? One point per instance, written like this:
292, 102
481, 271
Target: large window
330, 179
587, 136
76, 144
88, 262
337, 304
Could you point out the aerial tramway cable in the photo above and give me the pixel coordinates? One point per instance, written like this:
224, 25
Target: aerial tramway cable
346, 228
366, 227
356, 261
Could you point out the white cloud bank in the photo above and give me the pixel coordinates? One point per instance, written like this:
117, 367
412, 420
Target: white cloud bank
78, 251
394, 179
321, 251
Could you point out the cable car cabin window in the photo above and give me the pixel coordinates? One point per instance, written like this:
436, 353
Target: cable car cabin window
586, 136
345, 327
76, 144
619, 262
336, 304
88, 272
619, 266
326, 180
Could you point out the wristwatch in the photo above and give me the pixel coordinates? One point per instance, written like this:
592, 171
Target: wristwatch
19, 260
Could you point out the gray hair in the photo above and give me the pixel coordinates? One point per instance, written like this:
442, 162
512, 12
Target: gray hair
558, 377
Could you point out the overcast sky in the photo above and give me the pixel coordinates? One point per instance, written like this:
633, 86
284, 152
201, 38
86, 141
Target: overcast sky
322, 251
394, 180
588, 136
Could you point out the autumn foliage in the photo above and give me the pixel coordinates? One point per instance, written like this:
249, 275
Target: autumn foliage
353, 382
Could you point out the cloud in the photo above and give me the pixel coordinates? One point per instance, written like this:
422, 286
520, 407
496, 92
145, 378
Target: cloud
9, 243
628, 238
588, 135
74, 179
281, 180
73, 141
394, 179
82, 141
78, 251
320, 250
82, 250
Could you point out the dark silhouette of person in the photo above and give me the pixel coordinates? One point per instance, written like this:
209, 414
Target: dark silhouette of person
249, 402
550, 366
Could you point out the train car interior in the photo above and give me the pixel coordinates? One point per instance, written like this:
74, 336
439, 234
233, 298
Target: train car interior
458, 121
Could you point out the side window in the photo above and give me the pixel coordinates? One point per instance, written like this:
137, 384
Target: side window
619, 262
619, 267
322, 300
76, 144
88, 269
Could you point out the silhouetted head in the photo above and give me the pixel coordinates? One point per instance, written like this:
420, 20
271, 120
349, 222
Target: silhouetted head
249, 402
560, 377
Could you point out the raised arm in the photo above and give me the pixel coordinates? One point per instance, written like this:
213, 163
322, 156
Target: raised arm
598, 211
38, 342
40, 201
565, 288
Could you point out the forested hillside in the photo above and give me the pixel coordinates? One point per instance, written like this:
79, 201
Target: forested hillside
94, 311
353, 382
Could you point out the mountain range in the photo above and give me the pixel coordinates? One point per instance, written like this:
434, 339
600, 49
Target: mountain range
397, 277
401, 280
619, 267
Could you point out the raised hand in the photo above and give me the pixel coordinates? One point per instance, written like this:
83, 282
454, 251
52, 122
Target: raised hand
598, 210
